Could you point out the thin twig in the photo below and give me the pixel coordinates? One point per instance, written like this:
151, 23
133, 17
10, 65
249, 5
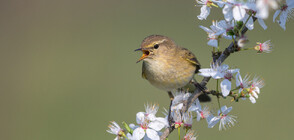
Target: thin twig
219, 58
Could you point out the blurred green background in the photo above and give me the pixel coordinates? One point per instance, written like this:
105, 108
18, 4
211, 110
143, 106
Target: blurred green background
68, 68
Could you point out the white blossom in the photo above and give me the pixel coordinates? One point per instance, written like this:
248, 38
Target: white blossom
261, 23
242, 83
252, 99
188, 120
224, 119
190, 135
179, 98
285, 12
264, 47
201, 113
214, 33
234, 10
115, 129
129, 137
227, 26
147, 128
177, 117
254, 89
263, 7
237, 10
220, 72
253, 9
151, 111
206, 6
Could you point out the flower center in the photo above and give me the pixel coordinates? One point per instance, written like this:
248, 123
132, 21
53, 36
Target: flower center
284, 7
202, 115
120, 133
228, 75
212, 38
143, 126
223, 116
260, 47
251, 88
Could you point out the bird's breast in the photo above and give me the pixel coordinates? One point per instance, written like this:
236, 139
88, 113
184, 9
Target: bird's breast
168, 74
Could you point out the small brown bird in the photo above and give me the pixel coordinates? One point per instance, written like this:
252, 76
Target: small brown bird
166, 65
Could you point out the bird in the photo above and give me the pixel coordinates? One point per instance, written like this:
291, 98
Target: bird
168, 66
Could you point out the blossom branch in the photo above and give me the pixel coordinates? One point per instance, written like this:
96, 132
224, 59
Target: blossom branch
239, 18
218, 58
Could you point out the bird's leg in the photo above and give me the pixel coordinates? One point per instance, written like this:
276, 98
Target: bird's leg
198, 85
171, 96
203, 97
170, 119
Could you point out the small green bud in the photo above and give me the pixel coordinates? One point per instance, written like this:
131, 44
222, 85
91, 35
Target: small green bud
127, 127
178, 125
230, 32
239, 24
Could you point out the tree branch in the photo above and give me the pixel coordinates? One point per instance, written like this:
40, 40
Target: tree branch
217, 58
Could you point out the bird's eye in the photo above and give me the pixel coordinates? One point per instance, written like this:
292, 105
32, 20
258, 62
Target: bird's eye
156, 46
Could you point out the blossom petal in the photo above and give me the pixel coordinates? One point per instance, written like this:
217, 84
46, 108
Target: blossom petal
213, 122
238, 79
163, 120
252, 99
283, 19
138, 133
129, 136
238, 13
220, 3
250, 23
177, 107
223, 108
153, 135
156, 125
229, 109
198, 115
140, 117
207, 72
205, 10
262, 9
254, 94
192, 108
213, 43
226, 87
224, 67
276, 14
227, 11
151, 117
220, 32
257, 90
262, 24
218, 75
290, 2
133, 126
208, 118
206, 29
234, 70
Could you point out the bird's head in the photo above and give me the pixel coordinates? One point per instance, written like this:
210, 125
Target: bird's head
154, 46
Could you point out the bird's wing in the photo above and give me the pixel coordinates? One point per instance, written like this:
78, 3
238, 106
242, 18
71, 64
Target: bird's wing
190, 57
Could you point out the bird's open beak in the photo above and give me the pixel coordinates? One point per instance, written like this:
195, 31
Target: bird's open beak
145, 54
